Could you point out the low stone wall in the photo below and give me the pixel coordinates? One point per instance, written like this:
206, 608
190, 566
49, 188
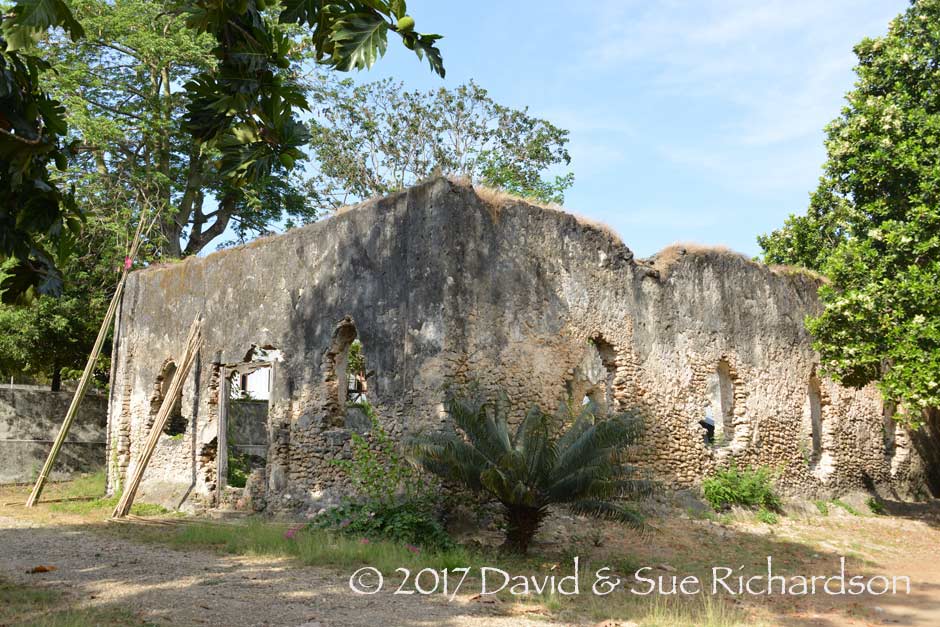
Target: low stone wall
248, 426
29, 422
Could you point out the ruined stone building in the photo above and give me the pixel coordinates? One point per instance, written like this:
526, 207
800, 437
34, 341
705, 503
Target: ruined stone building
443, 285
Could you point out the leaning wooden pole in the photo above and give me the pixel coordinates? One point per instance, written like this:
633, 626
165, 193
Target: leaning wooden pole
86, 374
176, 388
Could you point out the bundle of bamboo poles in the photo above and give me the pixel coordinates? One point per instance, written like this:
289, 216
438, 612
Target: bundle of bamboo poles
176, 388
90, 364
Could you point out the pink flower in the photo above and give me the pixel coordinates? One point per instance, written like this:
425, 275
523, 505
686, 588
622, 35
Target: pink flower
363, 540
290, 533
413, 549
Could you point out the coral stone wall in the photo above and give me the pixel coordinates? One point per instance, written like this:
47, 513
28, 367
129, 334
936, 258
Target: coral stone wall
30, 419
444, 288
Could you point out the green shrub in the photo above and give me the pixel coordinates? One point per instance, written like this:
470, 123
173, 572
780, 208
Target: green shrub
823, 507
378, 469
238, 469
400, 504
747, 487
875, 506
407, 522
767, 516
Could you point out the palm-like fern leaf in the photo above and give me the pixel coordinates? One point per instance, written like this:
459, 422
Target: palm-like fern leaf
609, 511
533, 469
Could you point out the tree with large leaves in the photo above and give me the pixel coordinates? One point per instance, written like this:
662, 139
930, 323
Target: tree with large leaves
242, 105
37, 219
581, 468
121, 88
873, 227
378, 138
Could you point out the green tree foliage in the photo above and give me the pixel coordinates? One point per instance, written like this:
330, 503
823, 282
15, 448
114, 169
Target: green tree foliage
121, 87
535, 468
378, 138
873, 226
37, 219
241, 105
50, 339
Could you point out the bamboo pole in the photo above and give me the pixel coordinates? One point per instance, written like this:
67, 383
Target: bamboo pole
193, 344
89, 370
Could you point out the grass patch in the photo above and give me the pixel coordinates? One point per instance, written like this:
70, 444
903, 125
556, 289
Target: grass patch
85, 495
875, 506
106, 504
846, 507
317, 547
92, 485
766, 517
41, 607
660, 611
822, 506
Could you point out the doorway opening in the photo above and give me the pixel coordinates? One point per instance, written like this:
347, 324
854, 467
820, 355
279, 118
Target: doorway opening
244, 428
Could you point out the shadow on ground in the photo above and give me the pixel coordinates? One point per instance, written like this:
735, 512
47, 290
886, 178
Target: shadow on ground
163, 585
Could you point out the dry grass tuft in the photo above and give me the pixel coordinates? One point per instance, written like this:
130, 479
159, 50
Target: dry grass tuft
666, 259
798, 271
496, 199
600, 226
359, 205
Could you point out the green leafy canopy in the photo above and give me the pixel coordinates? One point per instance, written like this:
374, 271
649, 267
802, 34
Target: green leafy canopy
241, 107
378, 138
873, 225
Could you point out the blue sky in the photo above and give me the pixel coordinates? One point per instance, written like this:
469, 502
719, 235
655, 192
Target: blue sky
690, 121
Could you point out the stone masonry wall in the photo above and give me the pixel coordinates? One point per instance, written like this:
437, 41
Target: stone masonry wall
30, 421
443, 288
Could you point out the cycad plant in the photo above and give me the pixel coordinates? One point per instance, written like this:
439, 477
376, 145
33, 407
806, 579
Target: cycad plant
581, 468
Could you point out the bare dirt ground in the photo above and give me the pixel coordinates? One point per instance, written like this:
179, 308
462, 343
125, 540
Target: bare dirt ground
193, 587
96, 567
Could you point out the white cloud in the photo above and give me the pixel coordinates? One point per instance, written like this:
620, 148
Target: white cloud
779, 65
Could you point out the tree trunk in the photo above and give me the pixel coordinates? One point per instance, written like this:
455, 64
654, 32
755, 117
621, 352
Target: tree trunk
521, 524
200, 237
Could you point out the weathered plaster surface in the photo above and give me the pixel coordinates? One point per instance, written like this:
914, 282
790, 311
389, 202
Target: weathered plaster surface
444, 288
30, 421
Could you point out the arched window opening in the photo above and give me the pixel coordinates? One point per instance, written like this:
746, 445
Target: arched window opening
813, 413
889, 410
176, 423
336, 364
356, 374
593, 380
718, 422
